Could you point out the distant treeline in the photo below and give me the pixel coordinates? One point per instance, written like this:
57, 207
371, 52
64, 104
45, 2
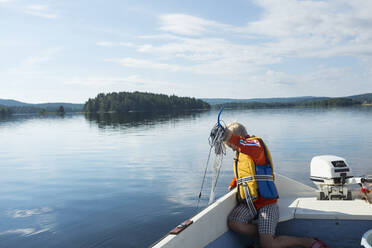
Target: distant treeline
36, 110
142, 102
5, 111
332, 102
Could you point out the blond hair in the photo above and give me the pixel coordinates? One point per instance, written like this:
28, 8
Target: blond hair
237, 129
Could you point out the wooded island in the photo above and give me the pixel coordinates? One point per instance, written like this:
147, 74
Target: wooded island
141, 102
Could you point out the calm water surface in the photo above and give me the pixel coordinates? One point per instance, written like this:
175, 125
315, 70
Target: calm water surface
112, 181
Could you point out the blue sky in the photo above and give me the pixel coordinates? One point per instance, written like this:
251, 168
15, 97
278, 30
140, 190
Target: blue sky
72, 50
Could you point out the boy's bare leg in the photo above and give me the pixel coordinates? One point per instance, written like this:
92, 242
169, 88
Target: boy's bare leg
246, 229
271, 241
268, 240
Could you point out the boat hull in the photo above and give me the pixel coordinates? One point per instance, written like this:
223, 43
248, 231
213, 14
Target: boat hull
335, 233
339, 223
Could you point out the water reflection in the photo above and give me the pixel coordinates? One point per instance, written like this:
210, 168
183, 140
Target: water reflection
125, 180
133, 119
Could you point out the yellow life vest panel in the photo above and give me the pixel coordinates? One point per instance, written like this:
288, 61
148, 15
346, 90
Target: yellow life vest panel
253, 180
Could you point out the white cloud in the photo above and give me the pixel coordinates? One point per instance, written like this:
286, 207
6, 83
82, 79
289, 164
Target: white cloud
40, 11
294, 29
188, 24
132, 83
44, 56
214, 56
133, 80
315, 28
192, 49
115, 44
30, 65
314, 31
145, 64
322, 81
95, 81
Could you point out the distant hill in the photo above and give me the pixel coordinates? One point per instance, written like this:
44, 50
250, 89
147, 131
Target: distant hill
362, 98
22, 107
216, 101
69, 107
12, 103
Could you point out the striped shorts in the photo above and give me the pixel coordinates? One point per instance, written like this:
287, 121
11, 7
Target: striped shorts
268, 217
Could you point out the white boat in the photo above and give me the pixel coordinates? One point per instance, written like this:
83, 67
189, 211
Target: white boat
339, 223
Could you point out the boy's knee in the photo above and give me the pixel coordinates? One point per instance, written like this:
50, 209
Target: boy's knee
246, 229
268, 241
231, 224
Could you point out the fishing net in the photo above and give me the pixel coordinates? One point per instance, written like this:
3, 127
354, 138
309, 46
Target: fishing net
216, 141
216, 172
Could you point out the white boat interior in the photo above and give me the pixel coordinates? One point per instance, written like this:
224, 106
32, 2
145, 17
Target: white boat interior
339, 223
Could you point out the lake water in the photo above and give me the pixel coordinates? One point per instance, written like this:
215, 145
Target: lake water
111, 181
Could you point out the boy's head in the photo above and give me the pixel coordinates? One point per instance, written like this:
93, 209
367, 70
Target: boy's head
237, 129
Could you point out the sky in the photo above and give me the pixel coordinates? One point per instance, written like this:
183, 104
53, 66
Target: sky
72, 50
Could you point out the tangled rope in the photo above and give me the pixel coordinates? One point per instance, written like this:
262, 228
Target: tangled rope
216, 139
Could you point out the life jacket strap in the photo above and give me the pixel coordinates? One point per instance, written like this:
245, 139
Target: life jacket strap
264, 177
249, 200
243, 180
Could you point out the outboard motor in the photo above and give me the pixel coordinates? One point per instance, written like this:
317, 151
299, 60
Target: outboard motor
331, 175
